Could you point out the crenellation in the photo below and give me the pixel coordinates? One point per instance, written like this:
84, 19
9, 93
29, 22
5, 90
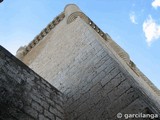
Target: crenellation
93, 76
42, 34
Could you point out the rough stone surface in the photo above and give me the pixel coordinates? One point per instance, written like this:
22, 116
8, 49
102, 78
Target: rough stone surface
74, 58
23, 94
96, 87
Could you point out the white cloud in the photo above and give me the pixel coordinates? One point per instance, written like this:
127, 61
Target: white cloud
132, 17
151, 30
156, 3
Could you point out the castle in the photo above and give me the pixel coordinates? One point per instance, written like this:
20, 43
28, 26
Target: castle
73, 70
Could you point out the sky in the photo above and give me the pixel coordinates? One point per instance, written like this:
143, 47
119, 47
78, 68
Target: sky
133, 24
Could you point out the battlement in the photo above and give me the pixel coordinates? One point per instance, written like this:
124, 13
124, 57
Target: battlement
71, 12
21, 53
95, 75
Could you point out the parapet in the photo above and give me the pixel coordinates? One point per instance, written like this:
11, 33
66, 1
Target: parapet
72, 12
20, 54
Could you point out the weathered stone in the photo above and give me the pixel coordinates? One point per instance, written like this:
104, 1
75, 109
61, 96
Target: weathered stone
119, 90
57, 118
85, 66
31, 112
42, 117
21, 96
37, 107
49, 115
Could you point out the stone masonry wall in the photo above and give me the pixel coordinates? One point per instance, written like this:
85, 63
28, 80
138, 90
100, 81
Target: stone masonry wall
95, 86
98, 89
24, 95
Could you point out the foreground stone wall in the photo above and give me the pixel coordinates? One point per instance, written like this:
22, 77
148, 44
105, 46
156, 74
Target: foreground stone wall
24, 95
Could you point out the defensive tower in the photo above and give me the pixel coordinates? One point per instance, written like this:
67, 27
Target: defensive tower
94, 78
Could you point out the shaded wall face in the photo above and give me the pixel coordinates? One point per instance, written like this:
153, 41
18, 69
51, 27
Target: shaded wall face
24, 95
95, 86
97, 89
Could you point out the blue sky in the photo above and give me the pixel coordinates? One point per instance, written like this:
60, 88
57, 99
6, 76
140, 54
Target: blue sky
133, 24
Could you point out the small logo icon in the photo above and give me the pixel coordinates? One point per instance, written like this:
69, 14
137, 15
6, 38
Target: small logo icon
119, 115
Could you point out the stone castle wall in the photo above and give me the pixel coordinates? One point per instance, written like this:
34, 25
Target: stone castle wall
75, 60
94, 74
24, 95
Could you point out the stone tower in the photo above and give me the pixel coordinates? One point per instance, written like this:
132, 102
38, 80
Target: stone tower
93, 77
